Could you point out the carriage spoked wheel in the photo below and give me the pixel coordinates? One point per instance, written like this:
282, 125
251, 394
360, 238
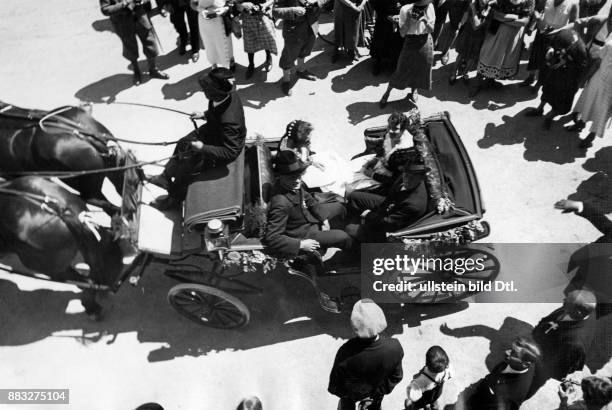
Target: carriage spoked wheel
424, 283
208, 306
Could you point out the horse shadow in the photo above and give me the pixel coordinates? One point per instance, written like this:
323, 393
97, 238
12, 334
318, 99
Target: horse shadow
364, 110
286, 310
107, 89
556, 146
103, 25
354, 78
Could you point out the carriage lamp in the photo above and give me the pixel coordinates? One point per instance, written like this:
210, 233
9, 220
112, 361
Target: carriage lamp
216, 235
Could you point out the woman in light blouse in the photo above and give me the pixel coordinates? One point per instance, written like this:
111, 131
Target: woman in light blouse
416, 23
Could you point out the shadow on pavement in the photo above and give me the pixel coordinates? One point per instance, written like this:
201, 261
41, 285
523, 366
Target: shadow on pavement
599, 185
287, 310
556, 145
103, 25
107, 89
354, 78
365, 110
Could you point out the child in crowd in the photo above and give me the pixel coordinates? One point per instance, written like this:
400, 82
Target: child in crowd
426, 387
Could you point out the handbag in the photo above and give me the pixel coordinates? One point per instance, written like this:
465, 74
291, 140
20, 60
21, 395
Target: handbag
236, 27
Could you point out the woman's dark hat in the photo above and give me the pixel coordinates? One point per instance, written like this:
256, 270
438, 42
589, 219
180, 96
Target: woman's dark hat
287, 162
219, 78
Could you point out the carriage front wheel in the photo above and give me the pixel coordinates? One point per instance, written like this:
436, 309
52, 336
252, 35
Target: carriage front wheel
208, 306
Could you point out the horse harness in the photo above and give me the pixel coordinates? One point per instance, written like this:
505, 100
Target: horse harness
52, 122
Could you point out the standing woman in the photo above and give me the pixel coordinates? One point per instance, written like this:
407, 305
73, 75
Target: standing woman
470, 39
258, 31
213, 32
416, 23
347, 18
386, 40
595, 102
501, 51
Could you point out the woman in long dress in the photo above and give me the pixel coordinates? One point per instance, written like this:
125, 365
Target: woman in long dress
501, 51
213, 33
386, 40
347, 18
258, 32
566, 59
595, 102
416, 23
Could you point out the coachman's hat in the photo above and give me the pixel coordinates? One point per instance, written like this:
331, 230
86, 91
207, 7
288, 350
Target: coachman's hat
219, 78
287, 162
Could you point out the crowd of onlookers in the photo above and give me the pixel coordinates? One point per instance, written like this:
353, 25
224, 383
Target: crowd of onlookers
571, 47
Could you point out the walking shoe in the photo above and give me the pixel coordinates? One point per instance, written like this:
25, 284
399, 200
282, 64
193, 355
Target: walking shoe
160, 180
286, 87
588, 141
328, 304
267, 65
195, 57
577, 126
155, 73
250, 71
306, 75
528, 82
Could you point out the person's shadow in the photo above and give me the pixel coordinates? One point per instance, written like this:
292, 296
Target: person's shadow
354, 78
500, 340
103, 25
599, 185
107, 89
557, 146
364, 110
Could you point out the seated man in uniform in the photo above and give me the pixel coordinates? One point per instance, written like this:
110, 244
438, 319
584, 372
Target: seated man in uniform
406, 201
216, 143
295, 219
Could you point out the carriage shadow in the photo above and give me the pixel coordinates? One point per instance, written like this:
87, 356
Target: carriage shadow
287, 310
107, 89
556, 145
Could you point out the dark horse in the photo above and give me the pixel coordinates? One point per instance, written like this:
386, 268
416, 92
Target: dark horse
64, 139
43, 224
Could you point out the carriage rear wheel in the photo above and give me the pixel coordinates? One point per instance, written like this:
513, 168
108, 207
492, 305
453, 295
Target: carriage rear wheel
208, 306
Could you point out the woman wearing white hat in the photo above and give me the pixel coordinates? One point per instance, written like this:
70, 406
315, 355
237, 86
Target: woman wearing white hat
368, 366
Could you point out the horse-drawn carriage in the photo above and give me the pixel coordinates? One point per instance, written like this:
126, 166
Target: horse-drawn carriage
214, 245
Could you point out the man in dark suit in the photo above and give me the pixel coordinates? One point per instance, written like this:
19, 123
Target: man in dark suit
130, 19
565, 336
508, 384
216, 143
298, 17
295, 217
179, 9
294, 224
406, 202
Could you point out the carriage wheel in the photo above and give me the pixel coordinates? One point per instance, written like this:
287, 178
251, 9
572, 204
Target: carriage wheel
208, 306
418, 295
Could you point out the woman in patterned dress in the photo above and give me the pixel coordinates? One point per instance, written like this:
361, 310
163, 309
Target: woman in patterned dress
258, 32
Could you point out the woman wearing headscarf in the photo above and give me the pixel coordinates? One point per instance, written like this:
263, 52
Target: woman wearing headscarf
501, 51
416, 23
368, 366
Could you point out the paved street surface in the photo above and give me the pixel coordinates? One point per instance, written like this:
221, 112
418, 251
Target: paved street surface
57, 53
